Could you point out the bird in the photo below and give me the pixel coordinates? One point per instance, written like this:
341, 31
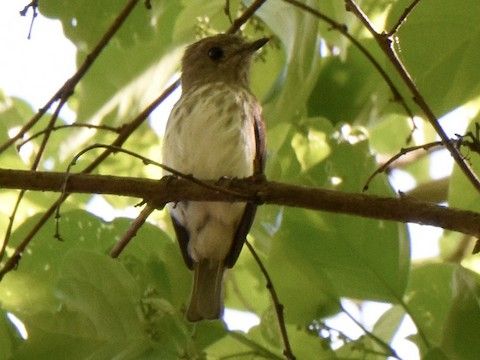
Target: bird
214, 131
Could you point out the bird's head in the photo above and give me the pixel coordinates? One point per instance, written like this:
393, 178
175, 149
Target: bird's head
220, 58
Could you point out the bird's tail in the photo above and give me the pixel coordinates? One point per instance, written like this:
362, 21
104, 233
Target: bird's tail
206, 301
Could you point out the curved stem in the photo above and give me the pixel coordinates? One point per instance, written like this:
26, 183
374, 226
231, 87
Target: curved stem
67, 126
276, 303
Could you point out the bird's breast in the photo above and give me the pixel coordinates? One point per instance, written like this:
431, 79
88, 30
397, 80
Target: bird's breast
210, 133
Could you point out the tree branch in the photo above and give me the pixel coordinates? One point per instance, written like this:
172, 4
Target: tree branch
385, 42
276, 303
342, 29
171, 189
33, 167
62, 96
247, 14
67, 88
403, 151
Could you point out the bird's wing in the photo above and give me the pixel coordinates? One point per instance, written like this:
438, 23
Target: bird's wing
250, 208
260, 142
183, 237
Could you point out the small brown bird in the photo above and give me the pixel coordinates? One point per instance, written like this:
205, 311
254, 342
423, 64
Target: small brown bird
215, 130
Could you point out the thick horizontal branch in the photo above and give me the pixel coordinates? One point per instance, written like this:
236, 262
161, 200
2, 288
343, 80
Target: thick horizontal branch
170, 189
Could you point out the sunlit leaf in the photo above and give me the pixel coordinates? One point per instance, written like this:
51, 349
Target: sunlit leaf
439, 47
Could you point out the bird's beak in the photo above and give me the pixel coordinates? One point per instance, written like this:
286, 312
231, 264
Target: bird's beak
255, 45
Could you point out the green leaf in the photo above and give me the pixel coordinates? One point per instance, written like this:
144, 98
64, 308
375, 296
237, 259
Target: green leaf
14, 112
9, 336
70, 293
305, 344
103, 290
30, 287
429, 298
297, 32
231, 346
384, 329
311, 146
362, 348
142, 49
380, 139
435, 354
245, 287
460, 340
316, 257
297, 272
341, 95
439, 47
387, 325
151, 257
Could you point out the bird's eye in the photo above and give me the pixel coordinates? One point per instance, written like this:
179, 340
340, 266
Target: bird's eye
215, 53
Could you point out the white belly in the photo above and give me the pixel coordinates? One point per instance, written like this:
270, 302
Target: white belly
210, 138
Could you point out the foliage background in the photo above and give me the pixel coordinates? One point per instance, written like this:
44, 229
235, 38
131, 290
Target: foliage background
330, 118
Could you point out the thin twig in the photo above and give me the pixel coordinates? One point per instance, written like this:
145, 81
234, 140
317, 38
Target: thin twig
67, 88
34, 5
34, 166
11, 220
47, 133
63, 94
73, 125
385, 42
14, 259
469, 140
386, 347
276, 303
247, 14
132, 231
403, 151
342, 28
403, 17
